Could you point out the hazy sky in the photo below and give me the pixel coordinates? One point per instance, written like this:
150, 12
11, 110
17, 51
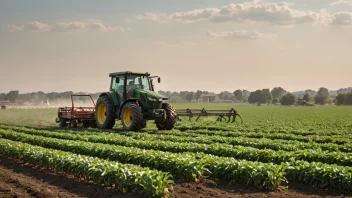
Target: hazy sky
210, 45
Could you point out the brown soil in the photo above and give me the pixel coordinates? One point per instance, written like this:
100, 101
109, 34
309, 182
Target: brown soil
19, 179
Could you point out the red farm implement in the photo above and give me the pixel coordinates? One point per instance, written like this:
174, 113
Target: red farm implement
74, 115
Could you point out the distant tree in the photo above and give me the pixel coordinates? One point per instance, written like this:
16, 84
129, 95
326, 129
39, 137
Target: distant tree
344, 90
288, 99
225, 95
183, 94
307, 97
348, 100
260, 96
12, 96
275, 101
163, 93
190, 96
344, 99
322, 96
238, 95
266, 96
278, 92
320, 99
311, 92
256, 97
246, 93
2, 96
323, 91
198, 94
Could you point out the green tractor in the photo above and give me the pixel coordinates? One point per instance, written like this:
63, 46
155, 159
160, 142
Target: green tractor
132, 100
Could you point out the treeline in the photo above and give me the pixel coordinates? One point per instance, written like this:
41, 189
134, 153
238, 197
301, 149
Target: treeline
40, 98
277, 95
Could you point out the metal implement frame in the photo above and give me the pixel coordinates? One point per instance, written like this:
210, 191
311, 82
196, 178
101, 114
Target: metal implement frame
203, 113
77, 113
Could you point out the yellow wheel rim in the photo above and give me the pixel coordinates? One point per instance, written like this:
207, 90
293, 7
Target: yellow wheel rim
101, 113
127, 117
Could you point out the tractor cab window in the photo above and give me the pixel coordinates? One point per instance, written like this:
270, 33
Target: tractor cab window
118, 87
135, 81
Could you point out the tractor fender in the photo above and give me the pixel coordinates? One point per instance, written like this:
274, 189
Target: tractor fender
125, 102
106, 94
112, 96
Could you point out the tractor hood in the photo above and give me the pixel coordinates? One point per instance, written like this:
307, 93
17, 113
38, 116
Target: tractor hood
150, 93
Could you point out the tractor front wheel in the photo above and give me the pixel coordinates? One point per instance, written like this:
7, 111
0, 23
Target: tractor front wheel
170, 120
132, 117
104, 113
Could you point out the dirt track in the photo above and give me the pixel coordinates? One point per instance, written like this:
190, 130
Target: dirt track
18, 179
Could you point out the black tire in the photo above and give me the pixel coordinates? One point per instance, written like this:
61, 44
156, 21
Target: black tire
132, 117
63, 123
104, 113
169, 122
144, 124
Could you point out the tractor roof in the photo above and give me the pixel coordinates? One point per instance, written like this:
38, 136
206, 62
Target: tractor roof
127, 72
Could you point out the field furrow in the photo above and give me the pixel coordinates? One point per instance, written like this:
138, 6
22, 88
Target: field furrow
258, 174
252, 154
124, 177
295, 148
189, 166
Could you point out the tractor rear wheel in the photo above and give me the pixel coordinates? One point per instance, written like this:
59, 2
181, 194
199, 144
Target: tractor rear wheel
144, 124
104, 113
170, 120
132, 117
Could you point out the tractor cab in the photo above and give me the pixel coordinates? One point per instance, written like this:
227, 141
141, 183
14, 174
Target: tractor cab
125, 83
132, 100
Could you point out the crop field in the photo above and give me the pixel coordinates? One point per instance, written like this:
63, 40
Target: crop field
278, 152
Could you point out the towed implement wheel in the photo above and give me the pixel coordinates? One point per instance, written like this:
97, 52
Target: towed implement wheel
170, 120
73, 124
104, 113
63, 123
132, 117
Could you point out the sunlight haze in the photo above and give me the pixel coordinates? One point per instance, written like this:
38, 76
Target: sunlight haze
56, 46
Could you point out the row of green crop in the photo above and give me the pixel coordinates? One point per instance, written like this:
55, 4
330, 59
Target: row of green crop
222, 136
260, 143
181, 165
273, 136
255, 173
238, 152
314, 174
263, 143
335, 139
123, 177
267, 129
